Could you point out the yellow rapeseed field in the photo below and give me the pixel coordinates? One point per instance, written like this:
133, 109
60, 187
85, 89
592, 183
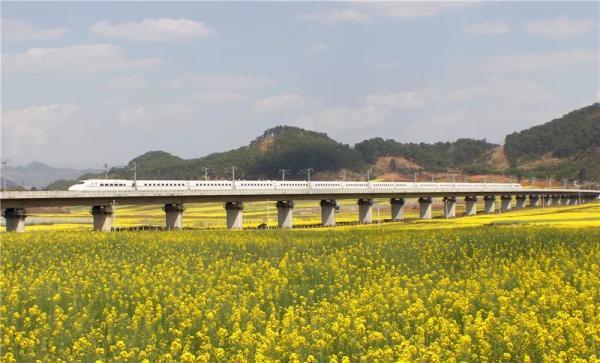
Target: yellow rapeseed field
486, 294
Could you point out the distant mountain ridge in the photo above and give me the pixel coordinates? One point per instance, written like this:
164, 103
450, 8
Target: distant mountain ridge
37, 174
567, 147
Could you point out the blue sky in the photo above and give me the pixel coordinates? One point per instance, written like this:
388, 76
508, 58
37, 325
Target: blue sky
88, 83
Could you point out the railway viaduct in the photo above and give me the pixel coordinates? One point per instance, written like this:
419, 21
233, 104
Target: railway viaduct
14, 204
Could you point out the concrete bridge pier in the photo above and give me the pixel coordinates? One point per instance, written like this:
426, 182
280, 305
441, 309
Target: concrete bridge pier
489, 204
534, 201
174, 216
15, 219
235, 215
425, 207
520, 201
103, 217
505, 203
449, 207
574, 200
365, 211
328, 212
564, 200
471, 205
397, 209
545, 200
555, 200
284, 214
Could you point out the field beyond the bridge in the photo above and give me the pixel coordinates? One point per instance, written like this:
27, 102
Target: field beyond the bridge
494, 293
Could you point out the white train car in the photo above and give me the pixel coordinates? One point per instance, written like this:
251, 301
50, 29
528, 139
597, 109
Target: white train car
254, 185
101, 185
161, 185
210, 185
353, 185
326, 185
291, 185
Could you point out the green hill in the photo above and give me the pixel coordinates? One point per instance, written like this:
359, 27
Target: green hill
575, 133
282, 147
566, 147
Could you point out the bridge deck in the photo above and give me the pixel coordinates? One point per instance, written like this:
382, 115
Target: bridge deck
26, 199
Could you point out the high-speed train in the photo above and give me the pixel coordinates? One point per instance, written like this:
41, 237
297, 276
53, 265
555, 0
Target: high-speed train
222, 185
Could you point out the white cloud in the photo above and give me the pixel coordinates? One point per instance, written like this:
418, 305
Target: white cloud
217, 98
414, 9
25, 131
468, 93
488, 28
17, 30
156, 117
374, 110
559, 28
337, 16
222, 82
278, 103
343, 118
516, 104
415, 99
397, 9
317, 48
541, 61
507, 92
85, 57
130, 83
154, 30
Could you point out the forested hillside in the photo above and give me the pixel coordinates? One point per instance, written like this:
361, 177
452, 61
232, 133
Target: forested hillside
567, 147
570, 135
462, 153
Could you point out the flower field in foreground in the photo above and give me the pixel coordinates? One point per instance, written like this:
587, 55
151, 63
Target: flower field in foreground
486, 294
